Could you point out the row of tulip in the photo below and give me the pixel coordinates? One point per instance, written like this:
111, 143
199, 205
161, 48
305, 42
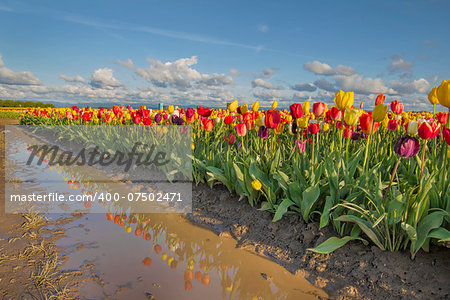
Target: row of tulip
360, 171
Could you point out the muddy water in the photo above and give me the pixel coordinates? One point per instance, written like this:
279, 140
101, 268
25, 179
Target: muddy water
157, 256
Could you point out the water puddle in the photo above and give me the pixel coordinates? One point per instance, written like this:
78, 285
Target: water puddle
158, 256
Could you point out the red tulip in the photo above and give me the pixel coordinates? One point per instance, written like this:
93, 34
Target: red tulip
367, 124
392, 125
208, 124
231, 139
228, 120
347, 133
187, 286
318, 109
442, 117
428, 131
380, 99
137, 119
296, 110
446, 134
313, 128
241, 129
335, 113
272, 119
396, 107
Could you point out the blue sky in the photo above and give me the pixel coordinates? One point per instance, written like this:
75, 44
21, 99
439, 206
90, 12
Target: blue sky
210, 52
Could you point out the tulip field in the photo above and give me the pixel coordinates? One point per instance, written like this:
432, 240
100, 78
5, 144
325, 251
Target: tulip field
380, 176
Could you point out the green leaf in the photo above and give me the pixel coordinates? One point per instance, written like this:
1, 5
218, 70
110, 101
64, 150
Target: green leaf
442, 234
282, 209
334, 243
325, 217
238, 171
430, 222
310, 196
365, 226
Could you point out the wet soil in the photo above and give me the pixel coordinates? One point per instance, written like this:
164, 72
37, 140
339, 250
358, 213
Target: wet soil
353, 271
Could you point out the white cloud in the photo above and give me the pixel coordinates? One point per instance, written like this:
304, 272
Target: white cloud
77, 78
300, 96
259, 82
345, 70
420, 85
104, 79
363, 85
263, 28
178, 74
267, 95
8, 76
319, 68
397, 64
307, 87
324, 84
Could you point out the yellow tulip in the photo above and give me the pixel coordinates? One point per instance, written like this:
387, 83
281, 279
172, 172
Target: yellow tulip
432, 96
192, 146
244, 108
344, 100
279, 129
170, 109
302, 122
443, 93
379, 112
233, 105
164, 256
256, 185
259, 121
306, 107
325, 127
351, 116
274, 104
255, 106
385, 122
448, 152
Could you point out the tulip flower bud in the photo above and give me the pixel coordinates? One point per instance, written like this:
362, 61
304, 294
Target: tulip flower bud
344, 100
319, 109
412, 127
428, 131
255, 106
233, 106
306, 107
446, 134
274, 104
432, 96
351, 116
443, 93
379, 112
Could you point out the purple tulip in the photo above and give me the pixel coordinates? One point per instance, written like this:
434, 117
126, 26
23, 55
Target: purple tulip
263, 132
407, 146
355, 135
190, 112
158, 118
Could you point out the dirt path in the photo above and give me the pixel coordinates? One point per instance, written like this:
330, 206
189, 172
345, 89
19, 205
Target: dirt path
354, 270
30, 263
